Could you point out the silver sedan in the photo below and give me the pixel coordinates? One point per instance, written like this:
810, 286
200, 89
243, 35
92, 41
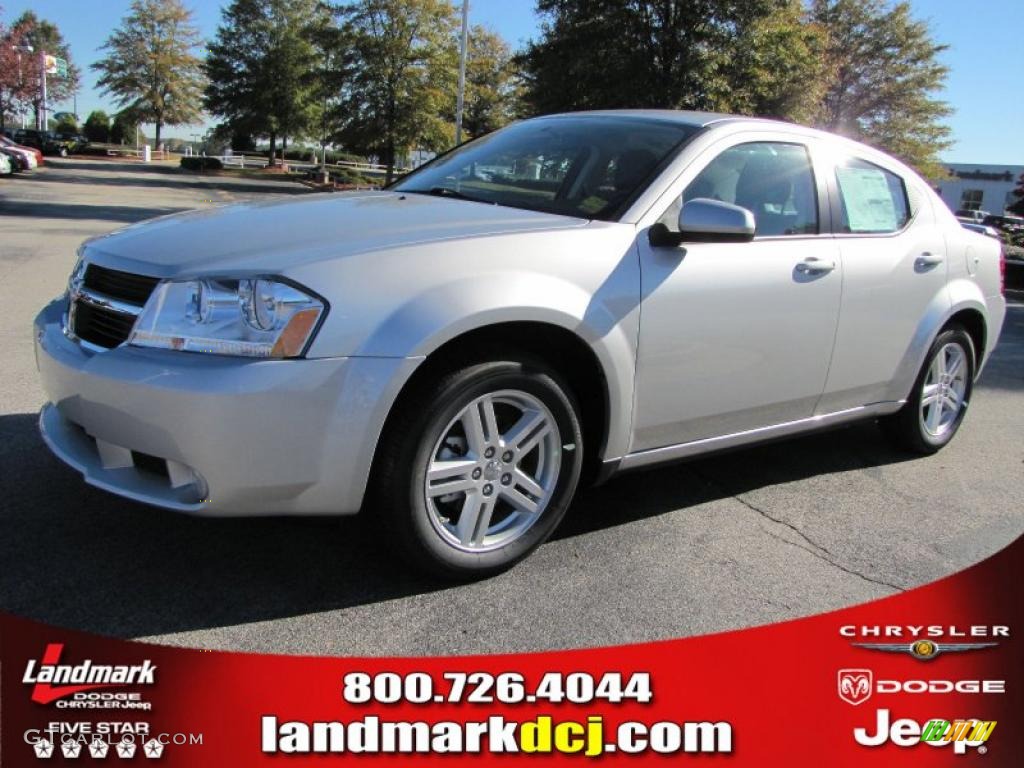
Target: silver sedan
563, 299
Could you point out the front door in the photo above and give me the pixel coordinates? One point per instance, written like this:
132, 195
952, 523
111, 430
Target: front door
738, 336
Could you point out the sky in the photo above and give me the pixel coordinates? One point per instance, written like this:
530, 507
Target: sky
985, 57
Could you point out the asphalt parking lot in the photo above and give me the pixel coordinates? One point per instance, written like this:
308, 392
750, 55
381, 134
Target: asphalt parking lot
747, 538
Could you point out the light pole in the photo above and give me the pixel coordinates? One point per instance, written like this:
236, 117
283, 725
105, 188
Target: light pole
42, 107
460, 99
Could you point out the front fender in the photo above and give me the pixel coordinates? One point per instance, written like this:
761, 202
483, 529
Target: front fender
604, 321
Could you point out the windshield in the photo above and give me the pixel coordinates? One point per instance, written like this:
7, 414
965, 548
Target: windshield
576, 166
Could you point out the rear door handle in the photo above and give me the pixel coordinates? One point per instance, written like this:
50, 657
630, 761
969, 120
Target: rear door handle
815, 266
928, 260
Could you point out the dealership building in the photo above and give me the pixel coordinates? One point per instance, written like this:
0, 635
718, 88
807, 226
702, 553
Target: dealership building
977, 187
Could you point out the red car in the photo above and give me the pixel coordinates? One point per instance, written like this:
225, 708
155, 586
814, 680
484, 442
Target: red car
8, 143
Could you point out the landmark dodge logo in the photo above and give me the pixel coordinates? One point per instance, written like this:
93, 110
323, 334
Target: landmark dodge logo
74, 678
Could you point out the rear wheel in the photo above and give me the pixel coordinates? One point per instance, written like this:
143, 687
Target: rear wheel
936, 407
479, 466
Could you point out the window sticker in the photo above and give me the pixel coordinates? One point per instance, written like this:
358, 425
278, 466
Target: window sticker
868, 199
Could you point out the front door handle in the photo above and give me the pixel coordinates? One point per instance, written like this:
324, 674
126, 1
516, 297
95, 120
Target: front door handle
815, 266
928, 260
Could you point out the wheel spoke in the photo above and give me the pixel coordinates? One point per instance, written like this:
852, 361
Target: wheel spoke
475, 518
930, 394
527, 483
449, 476
522, 430
951, 402
474, 429
934, 416
519, 500
490, 421
940, 360
956, 365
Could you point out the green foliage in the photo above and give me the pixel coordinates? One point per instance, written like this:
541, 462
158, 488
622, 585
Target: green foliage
260, 67
200, 163
66, 124
598, 54
492, 94
123, 128
401, 82
775, 65
1018, 206
151, 67
97, 126
885, 72
858, 67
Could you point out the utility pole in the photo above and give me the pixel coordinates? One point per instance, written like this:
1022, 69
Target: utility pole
463, 45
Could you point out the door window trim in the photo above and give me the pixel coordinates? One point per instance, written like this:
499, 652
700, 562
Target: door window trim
836, 202
823, 197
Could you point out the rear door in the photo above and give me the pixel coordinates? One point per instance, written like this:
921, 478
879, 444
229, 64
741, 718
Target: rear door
895, 273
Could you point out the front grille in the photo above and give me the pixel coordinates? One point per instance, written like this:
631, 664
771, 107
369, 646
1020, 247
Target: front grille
123, 286
101, 326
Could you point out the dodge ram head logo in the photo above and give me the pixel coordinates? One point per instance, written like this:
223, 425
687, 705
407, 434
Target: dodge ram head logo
855, 685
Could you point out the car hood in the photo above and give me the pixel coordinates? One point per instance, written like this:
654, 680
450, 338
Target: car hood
271, 236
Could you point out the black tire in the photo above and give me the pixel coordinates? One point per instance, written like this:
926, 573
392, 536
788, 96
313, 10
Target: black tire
904, 428
406, 450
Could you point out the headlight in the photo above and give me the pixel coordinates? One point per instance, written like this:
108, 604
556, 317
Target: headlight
260, 317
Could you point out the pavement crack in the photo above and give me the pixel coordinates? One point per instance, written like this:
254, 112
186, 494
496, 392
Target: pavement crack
819, 551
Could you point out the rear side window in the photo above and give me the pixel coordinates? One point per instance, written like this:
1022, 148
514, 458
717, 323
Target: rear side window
873, 200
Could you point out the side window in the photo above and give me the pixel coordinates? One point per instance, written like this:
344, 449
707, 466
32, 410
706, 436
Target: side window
874, 200
773, 180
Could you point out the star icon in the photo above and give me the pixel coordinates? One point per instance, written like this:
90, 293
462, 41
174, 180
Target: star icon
154, 748
43, 749
98, 748
71, 749
126, 749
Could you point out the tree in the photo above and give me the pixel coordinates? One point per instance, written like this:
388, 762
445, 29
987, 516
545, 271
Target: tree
65, 123
260, 67
775, 65
745, 55
1018, 206
97, 126
124, 127
44, 37
150, 66
492, 97
886, 72
17, 81
402, 79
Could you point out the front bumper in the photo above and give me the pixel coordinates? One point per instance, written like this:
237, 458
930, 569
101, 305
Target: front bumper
215, 435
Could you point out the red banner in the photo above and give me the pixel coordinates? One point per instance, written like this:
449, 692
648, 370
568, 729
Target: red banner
929, 677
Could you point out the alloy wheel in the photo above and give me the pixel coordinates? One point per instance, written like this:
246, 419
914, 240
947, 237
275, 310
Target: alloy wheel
943, 391
493, 471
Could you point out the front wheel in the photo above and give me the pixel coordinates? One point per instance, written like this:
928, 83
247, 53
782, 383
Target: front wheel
479, 466
936, 408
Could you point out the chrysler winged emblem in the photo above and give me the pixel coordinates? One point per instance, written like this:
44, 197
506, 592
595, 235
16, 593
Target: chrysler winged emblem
855, 685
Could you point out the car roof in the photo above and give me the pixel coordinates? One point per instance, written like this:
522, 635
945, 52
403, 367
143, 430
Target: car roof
691, 118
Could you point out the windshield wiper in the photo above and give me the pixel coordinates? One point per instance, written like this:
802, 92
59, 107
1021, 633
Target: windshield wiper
448, 192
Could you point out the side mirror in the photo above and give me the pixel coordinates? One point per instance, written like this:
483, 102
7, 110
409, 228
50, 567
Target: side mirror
702, 220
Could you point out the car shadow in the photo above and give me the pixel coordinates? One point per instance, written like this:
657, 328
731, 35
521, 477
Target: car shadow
77, 557
127, 214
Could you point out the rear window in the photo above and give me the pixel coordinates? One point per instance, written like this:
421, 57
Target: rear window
873, 200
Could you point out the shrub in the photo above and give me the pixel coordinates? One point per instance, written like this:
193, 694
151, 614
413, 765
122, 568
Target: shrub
200, 163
